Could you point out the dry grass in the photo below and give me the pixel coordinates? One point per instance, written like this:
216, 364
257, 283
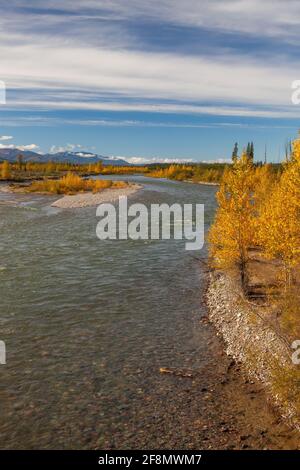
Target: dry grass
266, 285
286, 386
73, 184
288, 307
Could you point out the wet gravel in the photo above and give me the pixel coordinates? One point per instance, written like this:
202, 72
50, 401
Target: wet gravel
218, 408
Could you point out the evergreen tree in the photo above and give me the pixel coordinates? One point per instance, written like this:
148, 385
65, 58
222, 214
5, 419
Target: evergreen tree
248, 150
251, 152
235, 153
265, 154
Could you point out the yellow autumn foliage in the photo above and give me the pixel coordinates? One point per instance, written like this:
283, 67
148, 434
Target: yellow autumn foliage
258, 207
233, 230
72, 184
279, 221
5, 170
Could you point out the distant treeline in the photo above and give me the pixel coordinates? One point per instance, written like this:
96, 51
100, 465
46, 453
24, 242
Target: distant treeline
201, 172
198, 172
22, 170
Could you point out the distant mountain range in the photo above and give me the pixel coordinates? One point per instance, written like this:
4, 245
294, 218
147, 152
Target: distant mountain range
64, 157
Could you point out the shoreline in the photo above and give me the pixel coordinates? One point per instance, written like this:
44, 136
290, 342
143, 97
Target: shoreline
89, 199
84, 199
4, 187
253, 343
206, 183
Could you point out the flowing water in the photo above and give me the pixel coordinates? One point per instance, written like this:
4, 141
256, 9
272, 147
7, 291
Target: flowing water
89, 323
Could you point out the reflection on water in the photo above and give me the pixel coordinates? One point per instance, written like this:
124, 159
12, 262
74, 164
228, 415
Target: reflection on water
88, 323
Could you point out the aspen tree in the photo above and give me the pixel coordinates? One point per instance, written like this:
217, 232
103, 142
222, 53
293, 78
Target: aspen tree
232, 233
279, 222
5, 170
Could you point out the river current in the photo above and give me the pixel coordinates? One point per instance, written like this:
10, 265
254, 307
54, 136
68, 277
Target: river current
88, 324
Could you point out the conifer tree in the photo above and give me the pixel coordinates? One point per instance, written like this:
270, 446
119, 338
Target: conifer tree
251, 152
235, 153
248, 150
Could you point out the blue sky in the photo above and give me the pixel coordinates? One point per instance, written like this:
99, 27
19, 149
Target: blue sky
159, 80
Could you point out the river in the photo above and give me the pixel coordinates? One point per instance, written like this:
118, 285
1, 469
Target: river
88, 324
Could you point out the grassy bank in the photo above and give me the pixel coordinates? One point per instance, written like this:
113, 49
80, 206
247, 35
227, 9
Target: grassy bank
27, 171
206, 173
69, 184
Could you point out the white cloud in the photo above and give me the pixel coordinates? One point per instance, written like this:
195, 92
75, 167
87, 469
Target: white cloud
275, 111
218, 160
64, 148
85, 155
271, 18
31, 147
145, 160
149, 160
7, 146
82, 75
146, 75
39, 120
23, 148
6, 137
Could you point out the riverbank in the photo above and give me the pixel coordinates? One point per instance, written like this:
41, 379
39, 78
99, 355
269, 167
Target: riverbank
83, 199
4, 188
94, 199
254, 342
206, 183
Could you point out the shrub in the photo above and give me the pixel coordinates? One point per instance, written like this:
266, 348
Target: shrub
72, 184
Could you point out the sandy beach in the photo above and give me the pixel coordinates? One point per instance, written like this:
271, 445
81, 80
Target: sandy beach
84, 199
93, 199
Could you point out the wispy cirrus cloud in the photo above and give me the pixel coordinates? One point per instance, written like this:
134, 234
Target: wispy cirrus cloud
107, 58
162, 108
124, 80
52, 122
253, 17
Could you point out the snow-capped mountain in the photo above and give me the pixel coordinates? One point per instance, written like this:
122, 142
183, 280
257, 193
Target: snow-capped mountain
71, 157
